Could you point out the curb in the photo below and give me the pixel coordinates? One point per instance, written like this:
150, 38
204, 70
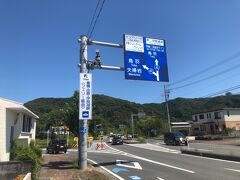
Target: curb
210, 155
133, 142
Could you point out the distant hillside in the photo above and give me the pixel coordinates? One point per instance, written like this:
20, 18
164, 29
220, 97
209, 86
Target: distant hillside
112, 111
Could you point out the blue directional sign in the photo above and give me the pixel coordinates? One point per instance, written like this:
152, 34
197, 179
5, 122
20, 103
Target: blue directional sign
145, 58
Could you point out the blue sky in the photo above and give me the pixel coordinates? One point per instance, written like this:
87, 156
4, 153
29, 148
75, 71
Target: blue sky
39, 51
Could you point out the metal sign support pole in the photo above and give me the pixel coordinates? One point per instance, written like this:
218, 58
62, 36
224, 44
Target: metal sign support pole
82, 140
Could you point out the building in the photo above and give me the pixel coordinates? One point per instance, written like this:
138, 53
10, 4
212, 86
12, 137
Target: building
215, 122
17, 123
183, 127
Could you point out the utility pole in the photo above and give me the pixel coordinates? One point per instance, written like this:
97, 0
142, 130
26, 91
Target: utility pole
166, 95
83, 124
132, 125
85, 66
139, 115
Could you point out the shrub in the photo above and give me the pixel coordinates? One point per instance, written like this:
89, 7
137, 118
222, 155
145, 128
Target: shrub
20, 152
218, 138
37, 150
41, 143
141, 139
228, 131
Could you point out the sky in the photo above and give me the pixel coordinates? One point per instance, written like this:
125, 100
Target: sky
39, 51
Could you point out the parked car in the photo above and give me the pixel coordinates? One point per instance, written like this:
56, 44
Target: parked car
175, 138
57, 145
117, 140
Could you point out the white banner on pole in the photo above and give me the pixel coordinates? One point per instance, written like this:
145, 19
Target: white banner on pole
85, 96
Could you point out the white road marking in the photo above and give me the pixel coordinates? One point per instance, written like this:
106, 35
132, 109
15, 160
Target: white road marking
155, 148
211, 158
115, 175
102, 152
160, 178
159, 163
236, 170
151, 161
136, 165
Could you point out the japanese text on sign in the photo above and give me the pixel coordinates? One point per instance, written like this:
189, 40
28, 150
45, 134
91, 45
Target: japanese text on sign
85, 96
145, 59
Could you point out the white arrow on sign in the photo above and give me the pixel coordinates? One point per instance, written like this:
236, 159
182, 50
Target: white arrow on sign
145, 67
136, 165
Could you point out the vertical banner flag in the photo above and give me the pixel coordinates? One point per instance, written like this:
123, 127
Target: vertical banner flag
85, 96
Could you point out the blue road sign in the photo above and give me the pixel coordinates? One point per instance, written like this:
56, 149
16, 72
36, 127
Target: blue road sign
85, 114
145, 58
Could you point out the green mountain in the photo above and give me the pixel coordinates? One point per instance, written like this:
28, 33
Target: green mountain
110, 112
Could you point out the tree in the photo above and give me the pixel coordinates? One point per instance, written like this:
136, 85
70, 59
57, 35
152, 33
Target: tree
72, 113
228, 94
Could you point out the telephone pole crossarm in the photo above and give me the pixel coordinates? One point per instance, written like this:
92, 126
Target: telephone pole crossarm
100, 43
115, 68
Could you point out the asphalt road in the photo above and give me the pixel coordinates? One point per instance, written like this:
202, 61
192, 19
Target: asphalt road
129, 162
216, 148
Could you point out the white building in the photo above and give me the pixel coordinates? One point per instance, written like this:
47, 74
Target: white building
17, 123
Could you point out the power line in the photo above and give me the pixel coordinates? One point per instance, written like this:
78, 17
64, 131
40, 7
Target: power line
214, 84
90, 30
99, 12
234, 56
93, 17
222, 91
206, 78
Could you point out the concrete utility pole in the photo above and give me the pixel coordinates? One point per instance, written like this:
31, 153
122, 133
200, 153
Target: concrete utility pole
83, 124
85, 66
139, 115
132, 115
166, 95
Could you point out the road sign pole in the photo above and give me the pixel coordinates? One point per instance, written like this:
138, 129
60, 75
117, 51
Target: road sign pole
166, 94
82, 140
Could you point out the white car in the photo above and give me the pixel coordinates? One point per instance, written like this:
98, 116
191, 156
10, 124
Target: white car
110, 138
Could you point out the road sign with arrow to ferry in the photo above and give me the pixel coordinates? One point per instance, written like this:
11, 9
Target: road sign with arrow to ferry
145, 58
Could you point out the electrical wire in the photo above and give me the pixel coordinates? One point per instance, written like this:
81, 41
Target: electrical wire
206, 78
214, 84
234, 56
93, 17
222, 91
95, 22
90, 30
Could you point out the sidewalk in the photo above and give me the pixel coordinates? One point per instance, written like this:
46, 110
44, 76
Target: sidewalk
63, 166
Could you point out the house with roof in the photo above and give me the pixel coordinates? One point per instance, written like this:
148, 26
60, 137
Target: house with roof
215, 122
17, 123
